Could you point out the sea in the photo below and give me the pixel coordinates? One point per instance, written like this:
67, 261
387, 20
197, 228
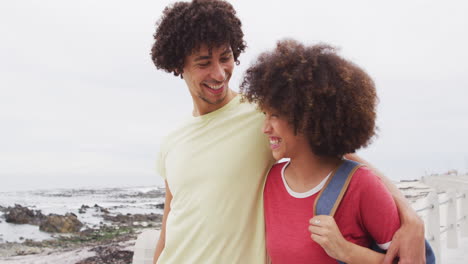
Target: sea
119, 200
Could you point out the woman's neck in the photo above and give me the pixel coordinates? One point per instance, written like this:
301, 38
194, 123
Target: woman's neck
307, 170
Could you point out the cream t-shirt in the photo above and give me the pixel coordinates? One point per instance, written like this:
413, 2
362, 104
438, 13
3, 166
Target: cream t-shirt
215, 166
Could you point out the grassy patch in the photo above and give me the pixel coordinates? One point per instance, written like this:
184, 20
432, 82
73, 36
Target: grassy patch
104, 235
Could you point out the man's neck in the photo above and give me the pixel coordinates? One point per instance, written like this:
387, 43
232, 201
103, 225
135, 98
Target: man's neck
203, 108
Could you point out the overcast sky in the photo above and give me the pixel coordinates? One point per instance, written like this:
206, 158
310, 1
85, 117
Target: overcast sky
81, 103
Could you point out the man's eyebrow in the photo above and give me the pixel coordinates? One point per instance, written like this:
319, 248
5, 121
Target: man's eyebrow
199, 58
209, 56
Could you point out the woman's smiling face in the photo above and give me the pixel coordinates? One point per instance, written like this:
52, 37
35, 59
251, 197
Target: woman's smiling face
283, 141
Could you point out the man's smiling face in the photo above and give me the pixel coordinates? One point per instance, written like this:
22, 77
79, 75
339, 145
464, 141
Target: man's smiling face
207, 73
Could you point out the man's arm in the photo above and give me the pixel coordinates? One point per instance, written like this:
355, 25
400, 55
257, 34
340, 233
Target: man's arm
162, 237
408, 241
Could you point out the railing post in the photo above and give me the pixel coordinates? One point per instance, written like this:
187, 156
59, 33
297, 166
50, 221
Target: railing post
433, 223
464, 214
452, 236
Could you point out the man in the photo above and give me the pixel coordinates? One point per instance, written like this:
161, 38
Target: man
214, 164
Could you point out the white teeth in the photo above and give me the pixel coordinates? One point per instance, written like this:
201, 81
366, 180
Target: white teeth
215, 87
275, 141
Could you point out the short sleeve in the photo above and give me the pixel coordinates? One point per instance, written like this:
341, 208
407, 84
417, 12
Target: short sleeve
378, 210
161, 164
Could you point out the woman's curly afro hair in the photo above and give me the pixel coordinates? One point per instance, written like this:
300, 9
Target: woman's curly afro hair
323, 96
184, 26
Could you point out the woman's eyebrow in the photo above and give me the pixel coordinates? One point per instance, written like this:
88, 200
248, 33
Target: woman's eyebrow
228, 50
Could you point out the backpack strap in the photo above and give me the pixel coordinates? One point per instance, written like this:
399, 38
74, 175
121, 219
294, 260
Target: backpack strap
331, 194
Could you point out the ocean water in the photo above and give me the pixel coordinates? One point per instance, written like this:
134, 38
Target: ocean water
126, 200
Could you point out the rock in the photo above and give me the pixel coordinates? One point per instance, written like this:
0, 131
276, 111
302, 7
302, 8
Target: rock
157, 206
23, 215
109, 255
98, 208
54, 223
130, 219
83, 209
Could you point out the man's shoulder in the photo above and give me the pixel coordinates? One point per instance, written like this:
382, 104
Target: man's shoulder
248, 106
176, 130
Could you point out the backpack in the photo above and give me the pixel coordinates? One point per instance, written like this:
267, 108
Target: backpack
330, 196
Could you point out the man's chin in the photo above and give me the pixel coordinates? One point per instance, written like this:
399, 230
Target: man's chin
215, 101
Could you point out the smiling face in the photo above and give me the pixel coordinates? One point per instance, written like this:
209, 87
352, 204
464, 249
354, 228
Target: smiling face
207, 73
284, 143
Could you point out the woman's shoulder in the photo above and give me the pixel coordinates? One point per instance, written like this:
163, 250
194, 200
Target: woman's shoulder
277, 169
279, 165
364, 173
365, 179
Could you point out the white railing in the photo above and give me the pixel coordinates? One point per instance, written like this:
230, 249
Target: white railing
444, 210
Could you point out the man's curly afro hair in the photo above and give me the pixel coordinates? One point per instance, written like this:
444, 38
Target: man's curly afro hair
184, 26
323, 96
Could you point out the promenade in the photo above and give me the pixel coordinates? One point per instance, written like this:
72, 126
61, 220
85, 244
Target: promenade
442, 202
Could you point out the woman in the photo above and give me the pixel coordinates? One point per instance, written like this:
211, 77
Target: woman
318, 107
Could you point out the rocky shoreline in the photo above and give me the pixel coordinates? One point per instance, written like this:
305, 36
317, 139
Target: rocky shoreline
109, 242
